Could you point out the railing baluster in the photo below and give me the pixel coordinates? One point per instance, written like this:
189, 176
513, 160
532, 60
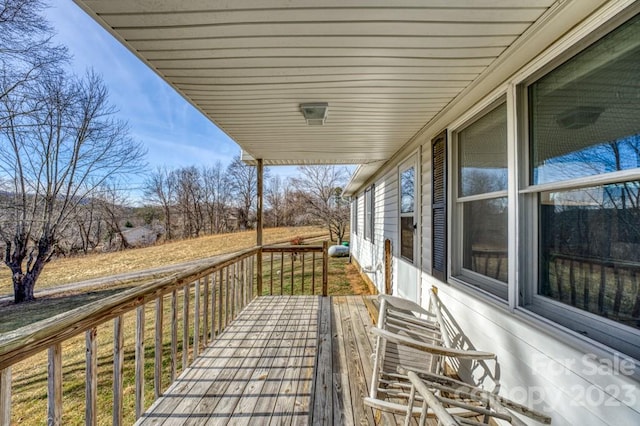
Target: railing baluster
325, 268
281, 273
293, 258
313, 273
226, 298
260, 267
5, 397
196, 322
205, 318
91, 380
271, 278
251, 277
118, 365
241, 285
55, 385
213, 307
220, 301
139, 360
174, 335
234, 292
302, 279
185, 328
157, 377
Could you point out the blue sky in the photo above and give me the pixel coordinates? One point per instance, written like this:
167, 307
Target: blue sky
174, 132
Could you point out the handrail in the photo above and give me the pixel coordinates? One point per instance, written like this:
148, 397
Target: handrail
24, 342
212, 297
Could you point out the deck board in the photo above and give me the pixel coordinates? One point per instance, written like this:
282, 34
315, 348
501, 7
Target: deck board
284, 360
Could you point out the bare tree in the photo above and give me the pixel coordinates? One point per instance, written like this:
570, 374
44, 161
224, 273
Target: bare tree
275, 198
89, 227
161, 189
189, 201
56, 154
217, 197
26, 51
321, 189
243, 181
112, 201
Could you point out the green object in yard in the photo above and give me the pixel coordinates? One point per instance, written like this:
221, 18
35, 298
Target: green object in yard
345, 243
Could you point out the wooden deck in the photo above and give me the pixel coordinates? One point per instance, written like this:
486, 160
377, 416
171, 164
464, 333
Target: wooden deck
284, 360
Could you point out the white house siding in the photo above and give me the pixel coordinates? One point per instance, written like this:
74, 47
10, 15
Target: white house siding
539, 368
539, 362
426, 216
370, 255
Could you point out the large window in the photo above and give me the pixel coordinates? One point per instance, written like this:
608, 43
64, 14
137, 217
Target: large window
584, 193
481, 203
369, 213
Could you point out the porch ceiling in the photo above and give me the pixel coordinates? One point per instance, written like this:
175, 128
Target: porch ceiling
385, 68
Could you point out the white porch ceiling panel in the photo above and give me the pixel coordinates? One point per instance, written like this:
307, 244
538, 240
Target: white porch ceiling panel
385, 68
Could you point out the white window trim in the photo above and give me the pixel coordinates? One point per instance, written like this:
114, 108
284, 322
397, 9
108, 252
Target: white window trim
369, 208
412, 160
526, 194
487, 285
355, 214
520, 229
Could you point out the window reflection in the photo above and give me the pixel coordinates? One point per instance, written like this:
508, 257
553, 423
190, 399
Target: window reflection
407, 188
584, 114
590, 249
485, 238
483, 154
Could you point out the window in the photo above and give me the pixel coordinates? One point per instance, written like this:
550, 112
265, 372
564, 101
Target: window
354, 219
369, 213
407, 212
481, 205
584, 193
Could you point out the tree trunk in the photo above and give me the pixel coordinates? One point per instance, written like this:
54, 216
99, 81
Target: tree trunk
23, 286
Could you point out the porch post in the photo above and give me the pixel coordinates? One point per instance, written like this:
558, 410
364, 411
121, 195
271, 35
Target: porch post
259, 227
259, 206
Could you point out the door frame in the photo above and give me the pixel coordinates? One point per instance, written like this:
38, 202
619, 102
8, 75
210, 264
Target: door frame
411, 161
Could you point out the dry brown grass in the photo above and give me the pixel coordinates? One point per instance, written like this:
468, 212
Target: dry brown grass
74, 269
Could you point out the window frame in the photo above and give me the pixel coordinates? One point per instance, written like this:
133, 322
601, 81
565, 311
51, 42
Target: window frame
584, 325
488, 285
355, 215
369, 213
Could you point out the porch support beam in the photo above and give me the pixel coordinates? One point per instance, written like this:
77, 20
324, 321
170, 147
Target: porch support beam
259, 203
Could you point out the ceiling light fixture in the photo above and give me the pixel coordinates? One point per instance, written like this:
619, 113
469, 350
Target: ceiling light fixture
315, 113
579, 117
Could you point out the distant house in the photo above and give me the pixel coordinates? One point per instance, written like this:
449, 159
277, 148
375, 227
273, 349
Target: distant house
142, 236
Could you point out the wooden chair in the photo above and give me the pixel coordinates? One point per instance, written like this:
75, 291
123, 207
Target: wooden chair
412, 345
408, 338
441, 395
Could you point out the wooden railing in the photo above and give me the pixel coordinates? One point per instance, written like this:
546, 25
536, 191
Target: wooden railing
293, 270
605, 287
179, 316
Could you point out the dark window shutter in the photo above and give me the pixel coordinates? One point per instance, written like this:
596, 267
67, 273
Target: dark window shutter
439, 207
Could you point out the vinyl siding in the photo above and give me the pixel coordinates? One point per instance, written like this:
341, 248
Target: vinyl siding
370, 254
544, 365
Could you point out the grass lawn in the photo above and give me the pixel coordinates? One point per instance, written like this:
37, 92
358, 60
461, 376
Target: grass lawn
78, 268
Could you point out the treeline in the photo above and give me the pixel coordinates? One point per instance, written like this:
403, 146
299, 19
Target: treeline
188, 202
218, 198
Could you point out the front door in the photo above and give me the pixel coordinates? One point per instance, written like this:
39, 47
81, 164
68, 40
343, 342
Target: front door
408, 255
